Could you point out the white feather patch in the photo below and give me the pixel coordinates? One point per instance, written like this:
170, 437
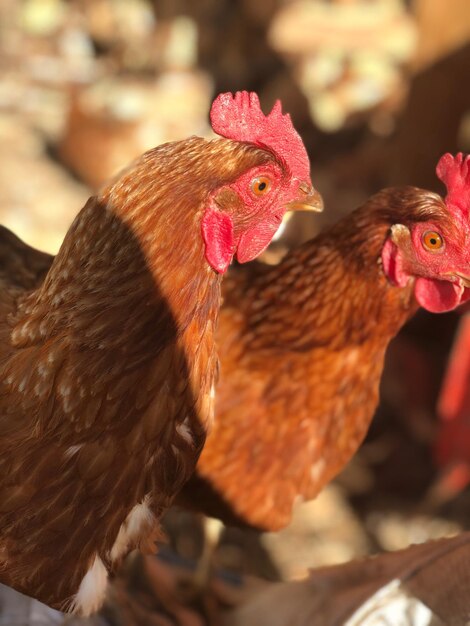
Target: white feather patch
185, 432
71, 450
92, 590
139, 518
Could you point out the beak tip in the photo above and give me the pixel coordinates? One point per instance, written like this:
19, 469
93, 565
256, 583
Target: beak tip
313, 203
313, 198
308, 199
318, 203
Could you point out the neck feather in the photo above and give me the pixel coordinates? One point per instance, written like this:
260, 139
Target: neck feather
333, 292
131, 265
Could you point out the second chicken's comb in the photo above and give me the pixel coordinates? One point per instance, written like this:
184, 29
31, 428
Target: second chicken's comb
455, 174
240, 118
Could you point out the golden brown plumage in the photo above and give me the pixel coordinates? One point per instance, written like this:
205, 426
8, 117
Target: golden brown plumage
107, 361
302, 348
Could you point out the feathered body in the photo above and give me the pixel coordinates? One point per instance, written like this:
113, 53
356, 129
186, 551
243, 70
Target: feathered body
302, 349
108, 364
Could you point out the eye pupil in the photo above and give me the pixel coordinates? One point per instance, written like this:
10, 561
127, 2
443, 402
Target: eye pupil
262, 186
433, 241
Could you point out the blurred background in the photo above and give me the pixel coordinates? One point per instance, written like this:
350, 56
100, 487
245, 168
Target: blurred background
378, 89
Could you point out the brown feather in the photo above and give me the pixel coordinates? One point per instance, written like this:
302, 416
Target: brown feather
107, 361
302, 348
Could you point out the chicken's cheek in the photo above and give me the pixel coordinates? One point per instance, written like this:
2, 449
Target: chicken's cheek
254, 241
217, 232
438, 296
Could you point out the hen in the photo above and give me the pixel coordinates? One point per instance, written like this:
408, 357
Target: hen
452, 450
302, 346
107, 354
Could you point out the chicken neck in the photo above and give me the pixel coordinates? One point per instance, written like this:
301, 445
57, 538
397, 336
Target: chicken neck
330, 292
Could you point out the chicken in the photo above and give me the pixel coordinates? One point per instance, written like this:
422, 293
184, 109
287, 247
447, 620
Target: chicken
452, 442
302, 347
107, 353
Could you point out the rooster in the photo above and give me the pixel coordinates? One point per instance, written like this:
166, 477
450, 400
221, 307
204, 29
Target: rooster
107, 353
302, 346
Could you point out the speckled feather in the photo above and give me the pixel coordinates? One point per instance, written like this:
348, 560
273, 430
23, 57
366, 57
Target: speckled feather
107, 364
302, 348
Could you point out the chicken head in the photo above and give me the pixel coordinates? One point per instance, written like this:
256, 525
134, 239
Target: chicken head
243, 215
435, 250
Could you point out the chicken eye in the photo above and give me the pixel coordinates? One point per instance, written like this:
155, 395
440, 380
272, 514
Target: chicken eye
432, 240
260, 185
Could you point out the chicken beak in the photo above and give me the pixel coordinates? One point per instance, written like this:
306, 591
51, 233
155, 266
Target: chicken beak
309, 199
463, 280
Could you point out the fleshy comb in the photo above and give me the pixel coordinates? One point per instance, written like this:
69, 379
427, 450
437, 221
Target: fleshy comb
240, 118
455, 174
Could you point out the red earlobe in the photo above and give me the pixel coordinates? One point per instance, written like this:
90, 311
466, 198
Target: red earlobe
392, 264
217, 232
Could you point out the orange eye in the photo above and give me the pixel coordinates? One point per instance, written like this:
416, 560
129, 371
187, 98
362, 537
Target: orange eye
432, 240
260, 185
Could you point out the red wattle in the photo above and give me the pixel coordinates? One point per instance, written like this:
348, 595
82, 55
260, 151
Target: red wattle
393, 264
257, 239
438, 296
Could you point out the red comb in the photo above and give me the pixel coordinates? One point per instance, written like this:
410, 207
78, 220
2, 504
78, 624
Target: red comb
455, 174
240, 117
